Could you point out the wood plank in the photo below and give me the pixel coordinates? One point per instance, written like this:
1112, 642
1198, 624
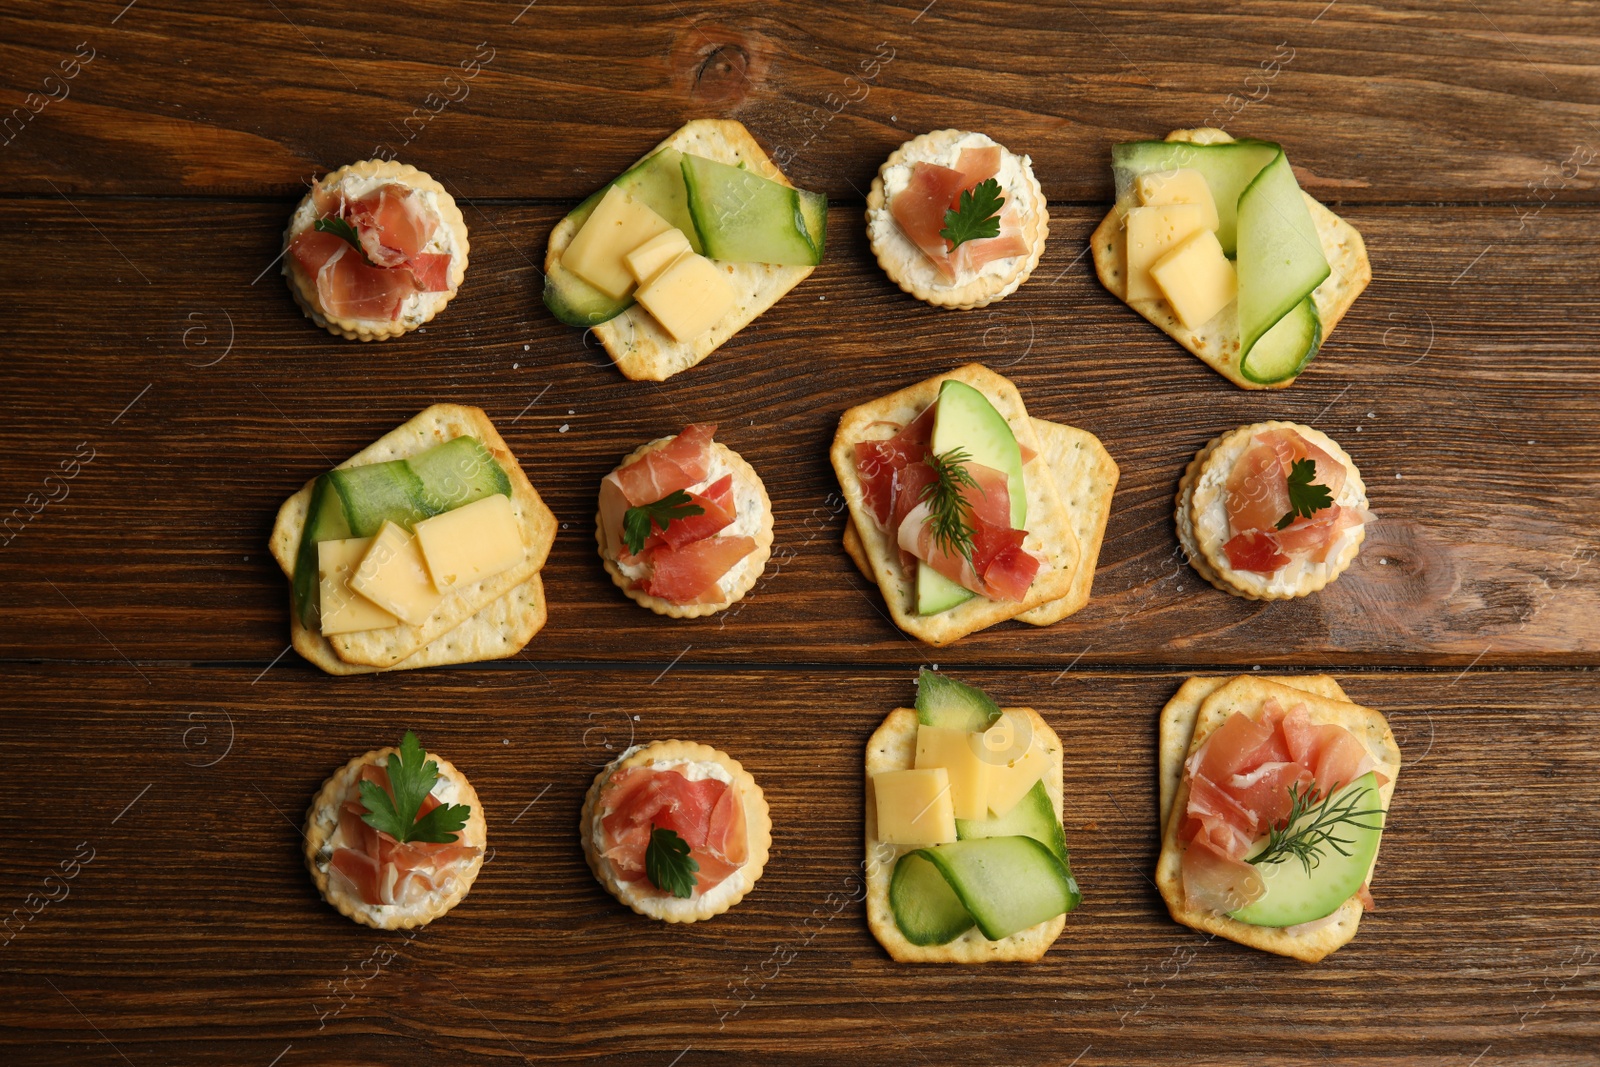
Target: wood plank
1460, 382
1403, 103
195, 934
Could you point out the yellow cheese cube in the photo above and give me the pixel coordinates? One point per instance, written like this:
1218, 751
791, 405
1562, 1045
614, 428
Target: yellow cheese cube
952, 749
1016, 758
343, 609
914, 807
1196, 278
394, 576
1178, 187
618, 225
688, 297
1151, 231
655, 255
475, 541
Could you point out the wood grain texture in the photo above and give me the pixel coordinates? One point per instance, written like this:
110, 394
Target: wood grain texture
1466, 409
195, 934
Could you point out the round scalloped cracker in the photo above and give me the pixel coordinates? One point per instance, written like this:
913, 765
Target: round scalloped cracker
322, 819
747, 485
905, 264
427, 305
1200, 516
1308, 942
893, 747
641, 896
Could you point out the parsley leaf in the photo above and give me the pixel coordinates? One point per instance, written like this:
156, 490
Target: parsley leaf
1306, 497
976, 217
411, 776
667, 863
339, 228
636, 522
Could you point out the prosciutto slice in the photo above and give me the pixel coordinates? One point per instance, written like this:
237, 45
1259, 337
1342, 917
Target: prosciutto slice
706, 813
372, 282
376, 868
1257, 499
920, 207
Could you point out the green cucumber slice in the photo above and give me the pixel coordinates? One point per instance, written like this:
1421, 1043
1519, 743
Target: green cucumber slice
1283, 351
1228, 169
325, 521
744, 218
1005, 883
1280, 258
936, 593
375, 492
457, 473
1034, 816
926, 909
943, 701
814, 210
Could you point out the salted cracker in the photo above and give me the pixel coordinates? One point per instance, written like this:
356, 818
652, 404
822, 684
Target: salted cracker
1217, 342
1051, 537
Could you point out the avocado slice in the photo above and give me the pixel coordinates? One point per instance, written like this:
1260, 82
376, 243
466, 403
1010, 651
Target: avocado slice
943, 701
1297, 895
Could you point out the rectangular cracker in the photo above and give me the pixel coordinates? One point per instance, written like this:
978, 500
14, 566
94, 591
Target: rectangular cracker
1050, 527
641, 349
1248, 693
435, 425
893, 747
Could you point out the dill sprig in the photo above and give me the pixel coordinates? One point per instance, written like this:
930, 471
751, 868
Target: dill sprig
1324, 815
949, 512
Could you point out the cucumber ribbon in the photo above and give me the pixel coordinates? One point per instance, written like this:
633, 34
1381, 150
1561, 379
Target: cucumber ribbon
1000, 884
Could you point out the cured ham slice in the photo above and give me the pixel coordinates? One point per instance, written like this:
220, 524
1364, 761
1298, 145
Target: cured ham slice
999, 568
1257, 499
683, 462
689, 575
1239, 789
371, 282
706, 813
879, 464
932, 190
430, 271
392, 224
717, 515
374, 867
348, 288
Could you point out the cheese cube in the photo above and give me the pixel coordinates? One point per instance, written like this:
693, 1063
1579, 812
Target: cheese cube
656, 254
1178, 187
618, 225
1151, 231
473, 542
914, 807
952, 749
1196, 278
688, 297
343, 609
1017, 760
394, 576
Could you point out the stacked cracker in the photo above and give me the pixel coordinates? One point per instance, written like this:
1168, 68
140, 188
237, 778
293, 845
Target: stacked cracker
1198, 708
485, 620
1070, 481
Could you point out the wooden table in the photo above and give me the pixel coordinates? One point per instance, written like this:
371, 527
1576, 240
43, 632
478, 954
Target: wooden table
154, 719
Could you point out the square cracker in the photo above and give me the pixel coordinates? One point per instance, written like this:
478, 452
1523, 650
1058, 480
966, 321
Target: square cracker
435, 425
1217, 342
893, 747
1247, 694
1086, 479
641, 349
1050, 528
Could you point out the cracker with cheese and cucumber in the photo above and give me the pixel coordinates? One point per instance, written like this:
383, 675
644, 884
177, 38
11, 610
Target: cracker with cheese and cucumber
422, 549
966, 856
1274, 796
683, 250
957, 510
1213, 241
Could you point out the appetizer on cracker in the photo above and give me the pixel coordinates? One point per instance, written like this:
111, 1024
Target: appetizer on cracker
677, 831
375, 250
1214, 242
685, 525
1271, 511
956, 219
1274, 794
395, 838
683, 250
422, 549
957, 510
966, 858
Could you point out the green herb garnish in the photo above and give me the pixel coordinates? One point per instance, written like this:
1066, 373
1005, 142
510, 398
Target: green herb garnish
976, 216
667, 863
411, 776
340, 228
1306, 497
949, 512
636, 522
1327, 813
